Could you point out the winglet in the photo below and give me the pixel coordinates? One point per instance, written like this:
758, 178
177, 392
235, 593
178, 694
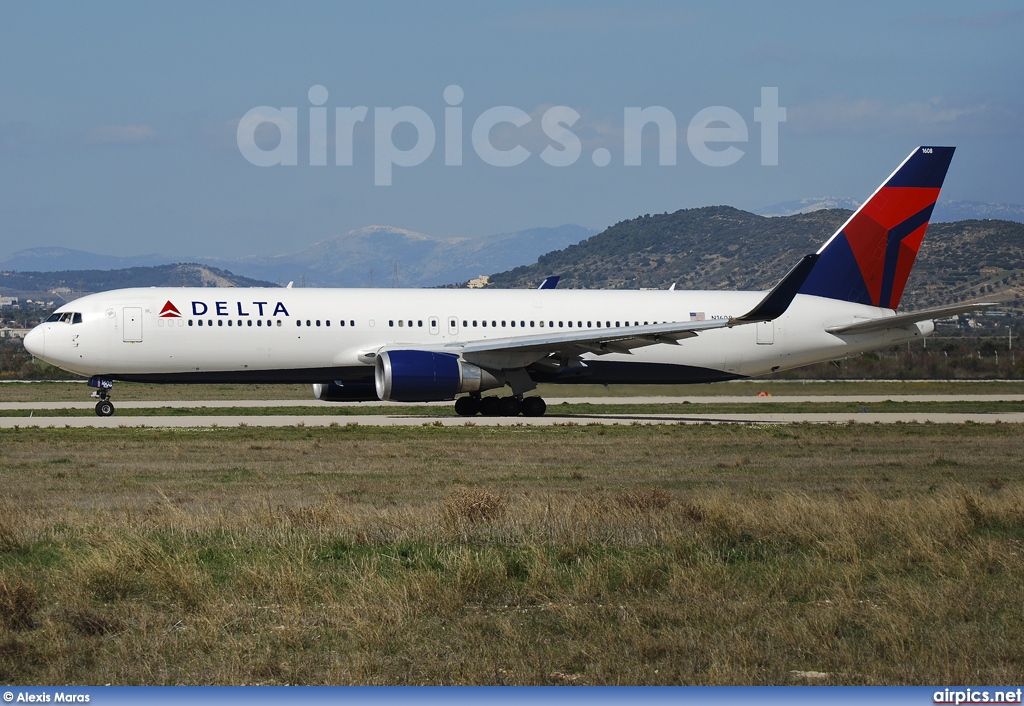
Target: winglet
778, 300
550, 282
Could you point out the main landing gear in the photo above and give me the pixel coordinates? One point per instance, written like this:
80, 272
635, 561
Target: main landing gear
104, 408
512, 406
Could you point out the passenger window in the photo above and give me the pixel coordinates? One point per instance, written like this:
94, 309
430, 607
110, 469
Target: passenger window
513, 323
249, 322
391, 323
503, 324
220, 322
531, 324
279, 322
484, 324
343, 322
419, 324
559, 324
401, 323
318, 322
327, 323
351, 322
190, 322
410, 324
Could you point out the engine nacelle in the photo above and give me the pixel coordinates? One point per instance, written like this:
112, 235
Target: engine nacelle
426, 376
345, 392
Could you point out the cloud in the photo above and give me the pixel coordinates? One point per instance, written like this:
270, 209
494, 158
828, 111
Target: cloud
121, 135
843, 115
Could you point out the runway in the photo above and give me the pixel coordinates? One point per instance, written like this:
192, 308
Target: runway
124, 418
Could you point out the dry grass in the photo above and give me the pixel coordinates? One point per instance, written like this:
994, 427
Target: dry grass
570, 555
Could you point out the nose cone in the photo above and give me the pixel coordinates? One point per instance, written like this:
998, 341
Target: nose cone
35, 342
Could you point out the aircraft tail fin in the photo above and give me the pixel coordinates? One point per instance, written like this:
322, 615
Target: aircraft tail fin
868, 260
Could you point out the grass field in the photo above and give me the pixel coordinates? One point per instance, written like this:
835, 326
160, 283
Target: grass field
566, 555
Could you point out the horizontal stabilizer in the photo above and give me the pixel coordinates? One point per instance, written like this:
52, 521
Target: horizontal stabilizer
900, 320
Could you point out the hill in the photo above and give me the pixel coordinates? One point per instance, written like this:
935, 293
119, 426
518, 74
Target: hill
73, 283
719, 247
55, 259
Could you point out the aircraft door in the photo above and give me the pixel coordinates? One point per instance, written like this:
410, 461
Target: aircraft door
131, 324
765, 333
453, 326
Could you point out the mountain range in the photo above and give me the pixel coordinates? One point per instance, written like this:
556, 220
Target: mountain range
945, 211
715, 247
379, 256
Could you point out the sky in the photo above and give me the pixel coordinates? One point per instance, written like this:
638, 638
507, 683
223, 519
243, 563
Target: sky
226, 129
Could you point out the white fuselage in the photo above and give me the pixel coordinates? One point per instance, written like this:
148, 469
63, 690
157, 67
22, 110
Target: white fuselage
319, 335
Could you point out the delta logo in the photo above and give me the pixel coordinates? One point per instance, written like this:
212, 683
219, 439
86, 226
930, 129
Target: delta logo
170, 311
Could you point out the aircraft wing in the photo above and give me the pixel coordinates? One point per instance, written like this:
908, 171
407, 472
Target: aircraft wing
622, 339
901, 320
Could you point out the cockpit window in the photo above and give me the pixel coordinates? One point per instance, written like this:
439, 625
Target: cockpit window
53, 317
76, 318
68, 317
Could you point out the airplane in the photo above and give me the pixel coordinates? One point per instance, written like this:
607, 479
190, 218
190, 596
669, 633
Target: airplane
443, 344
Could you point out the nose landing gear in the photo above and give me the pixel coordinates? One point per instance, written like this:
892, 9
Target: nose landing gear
104, 408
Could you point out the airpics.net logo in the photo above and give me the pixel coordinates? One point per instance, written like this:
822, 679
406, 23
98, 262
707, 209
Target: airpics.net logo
711, 136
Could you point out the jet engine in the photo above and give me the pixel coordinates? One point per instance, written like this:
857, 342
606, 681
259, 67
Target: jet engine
340, 391
426, 376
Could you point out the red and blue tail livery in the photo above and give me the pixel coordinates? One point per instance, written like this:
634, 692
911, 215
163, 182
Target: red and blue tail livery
868, 260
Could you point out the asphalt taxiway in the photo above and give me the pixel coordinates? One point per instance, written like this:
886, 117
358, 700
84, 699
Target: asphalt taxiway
124, 417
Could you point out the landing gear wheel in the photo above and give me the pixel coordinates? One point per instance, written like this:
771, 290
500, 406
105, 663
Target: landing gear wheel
509, 406
104, 408
534, 407
490, 406
467, 406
